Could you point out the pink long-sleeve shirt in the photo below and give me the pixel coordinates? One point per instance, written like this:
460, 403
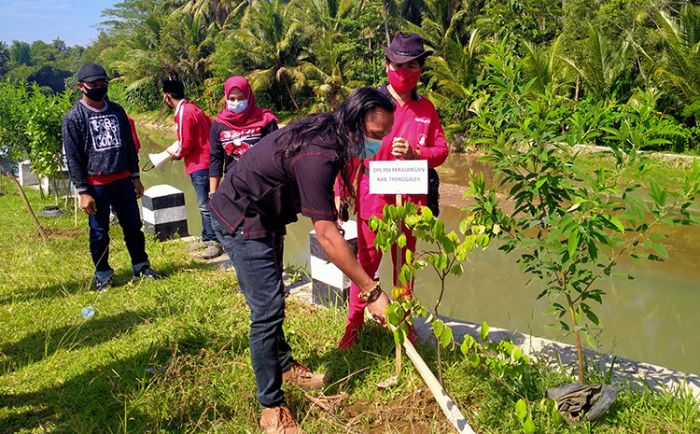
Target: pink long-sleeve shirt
418, 122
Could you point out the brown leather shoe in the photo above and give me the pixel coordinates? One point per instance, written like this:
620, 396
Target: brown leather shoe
302, 376
279, 420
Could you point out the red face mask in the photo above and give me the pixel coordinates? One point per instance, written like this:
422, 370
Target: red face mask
403, 79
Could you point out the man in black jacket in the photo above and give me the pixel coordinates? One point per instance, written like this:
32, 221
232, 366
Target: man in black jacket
104, 168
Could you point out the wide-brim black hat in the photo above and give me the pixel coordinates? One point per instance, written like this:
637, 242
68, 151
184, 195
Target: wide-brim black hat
405, 48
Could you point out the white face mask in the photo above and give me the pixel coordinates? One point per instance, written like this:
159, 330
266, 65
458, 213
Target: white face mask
371, 147
237, 106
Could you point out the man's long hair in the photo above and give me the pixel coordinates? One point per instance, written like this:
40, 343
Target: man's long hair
346, 125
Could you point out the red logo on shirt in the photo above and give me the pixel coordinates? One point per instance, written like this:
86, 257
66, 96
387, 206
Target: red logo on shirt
236, 143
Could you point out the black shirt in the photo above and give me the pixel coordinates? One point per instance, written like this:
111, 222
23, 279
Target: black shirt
268, 189
98, 142
228, 145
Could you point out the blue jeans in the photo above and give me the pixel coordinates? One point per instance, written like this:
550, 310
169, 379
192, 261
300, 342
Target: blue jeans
122, 198
200, 182
258, 265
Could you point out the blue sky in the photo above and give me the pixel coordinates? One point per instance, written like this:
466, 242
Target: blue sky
73, 21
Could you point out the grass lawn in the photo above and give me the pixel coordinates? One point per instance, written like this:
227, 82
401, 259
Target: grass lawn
172, 355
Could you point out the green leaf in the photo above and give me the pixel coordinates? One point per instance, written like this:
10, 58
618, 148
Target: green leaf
660, 249
617, 223
463, 226
529, 426
573, 244
401, 241
521, 409
592, 317
484, 333
540, 183
438, 327
446, 337
439, 229
516, 354
467, 344
412, 220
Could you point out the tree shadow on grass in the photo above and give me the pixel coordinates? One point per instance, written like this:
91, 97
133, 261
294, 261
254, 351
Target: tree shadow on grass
128, 391
122, 278
44, 343
89, 402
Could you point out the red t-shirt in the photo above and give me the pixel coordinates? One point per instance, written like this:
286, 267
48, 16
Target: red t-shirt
418, 122
193, 134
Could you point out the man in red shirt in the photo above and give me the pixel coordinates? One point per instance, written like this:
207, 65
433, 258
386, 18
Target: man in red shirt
416, 135
193, 135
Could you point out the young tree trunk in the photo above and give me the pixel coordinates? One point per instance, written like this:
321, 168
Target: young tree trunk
577, 337
289, 92
386, 22
438, 347
27, 205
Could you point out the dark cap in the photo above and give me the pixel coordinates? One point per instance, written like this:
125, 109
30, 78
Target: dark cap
91, 72
405, 48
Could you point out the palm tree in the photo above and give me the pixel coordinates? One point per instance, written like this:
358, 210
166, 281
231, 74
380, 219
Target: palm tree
269, 47
603, 70
456, 68
680, 66
333, 51
131, 46
214, 11
546, 66
186, 47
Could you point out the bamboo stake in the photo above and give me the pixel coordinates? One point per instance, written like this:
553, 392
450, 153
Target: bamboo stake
447, 405
75, 209
28, 206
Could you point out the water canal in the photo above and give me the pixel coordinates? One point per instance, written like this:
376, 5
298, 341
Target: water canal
653, 318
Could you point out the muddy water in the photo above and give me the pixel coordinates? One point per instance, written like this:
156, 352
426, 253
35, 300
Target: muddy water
653, 318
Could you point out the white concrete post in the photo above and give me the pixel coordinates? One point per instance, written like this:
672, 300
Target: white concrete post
330, 287
163, 212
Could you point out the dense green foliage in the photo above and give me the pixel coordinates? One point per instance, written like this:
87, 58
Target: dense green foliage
30, 126
605, 59
50, 65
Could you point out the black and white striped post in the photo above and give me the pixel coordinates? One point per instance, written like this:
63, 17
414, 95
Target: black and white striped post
163, 212
330, 287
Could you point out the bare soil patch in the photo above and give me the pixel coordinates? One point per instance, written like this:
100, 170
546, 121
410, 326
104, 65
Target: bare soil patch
416, 413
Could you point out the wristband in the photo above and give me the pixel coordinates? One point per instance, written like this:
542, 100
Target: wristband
372, 295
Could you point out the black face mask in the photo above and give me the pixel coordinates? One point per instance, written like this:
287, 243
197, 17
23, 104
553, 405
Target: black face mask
96, 94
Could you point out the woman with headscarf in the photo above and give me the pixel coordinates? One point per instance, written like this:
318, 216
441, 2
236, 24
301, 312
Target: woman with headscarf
237, 128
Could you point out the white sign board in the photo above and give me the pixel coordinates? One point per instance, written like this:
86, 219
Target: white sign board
398, 177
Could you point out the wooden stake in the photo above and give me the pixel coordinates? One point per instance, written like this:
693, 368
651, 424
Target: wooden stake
447, 405
28, 206
75, 209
